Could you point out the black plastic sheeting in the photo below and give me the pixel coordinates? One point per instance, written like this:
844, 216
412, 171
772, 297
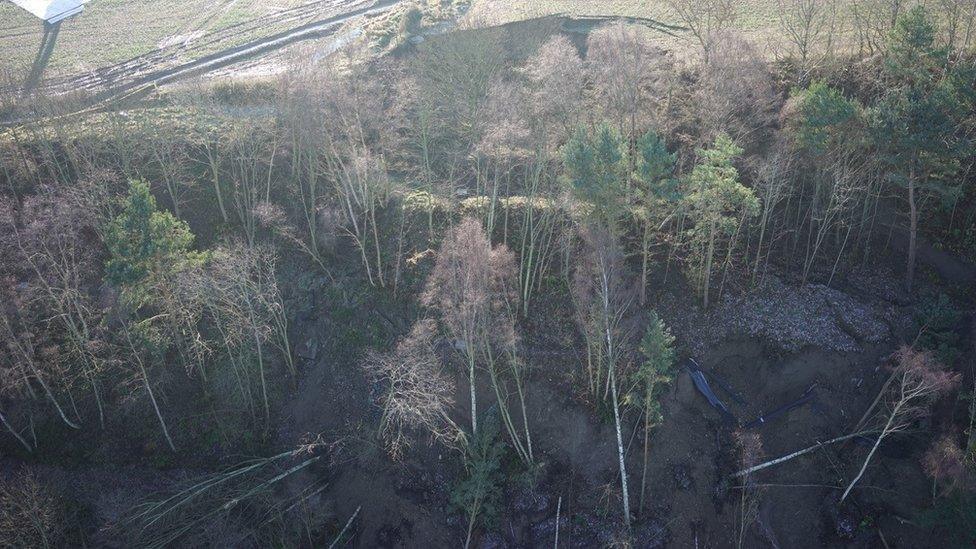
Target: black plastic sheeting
701, 383
701, 380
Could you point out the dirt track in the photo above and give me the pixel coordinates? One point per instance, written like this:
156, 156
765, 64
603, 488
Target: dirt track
187, 57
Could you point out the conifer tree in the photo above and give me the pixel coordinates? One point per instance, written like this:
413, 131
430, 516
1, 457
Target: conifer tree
658, 194
717, 204
916, 123
596, 172
655, 371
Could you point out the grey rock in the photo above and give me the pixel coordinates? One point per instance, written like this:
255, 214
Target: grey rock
309, 350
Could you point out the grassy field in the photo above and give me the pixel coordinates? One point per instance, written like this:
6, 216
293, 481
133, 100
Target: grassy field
115, 39
757, 19
113, 31
507, 11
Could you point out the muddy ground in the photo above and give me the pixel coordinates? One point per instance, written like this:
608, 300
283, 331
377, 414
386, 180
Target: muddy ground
690, 502
768, 346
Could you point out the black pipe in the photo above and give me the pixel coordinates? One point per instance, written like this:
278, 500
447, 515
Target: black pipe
765, 418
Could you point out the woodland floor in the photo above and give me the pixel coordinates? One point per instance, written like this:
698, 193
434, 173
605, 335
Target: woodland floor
689, 503
770, 345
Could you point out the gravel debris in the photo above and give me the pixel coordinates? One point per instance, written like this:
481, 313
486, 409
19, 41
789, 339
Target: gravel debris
784, 316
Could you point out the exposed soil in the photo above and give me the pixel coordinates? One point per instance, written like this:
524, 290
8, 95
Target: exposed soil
768, 346
690, 501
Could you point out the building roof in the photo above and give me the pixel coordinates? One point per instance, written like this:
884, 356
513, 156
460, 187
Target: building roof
52, 11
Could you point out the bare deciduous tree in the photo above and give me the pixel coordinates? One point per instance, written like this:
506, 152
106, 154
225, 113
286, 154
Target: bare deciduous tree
240, 291
253, 148
704, 18
917, 380
273, 218
771, 181
945, 462
456, 75
505, 147
169, 159
808, 28
363, 188
736, 94
50, 239
750, 450
20, 363
417, 395
873, 21
959, 22
302, 121
604, 295
555, 74
472, 286
629, 76
31, 514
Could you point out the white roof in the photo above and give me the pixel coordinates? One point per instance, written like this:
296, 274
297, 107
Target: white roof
52, 11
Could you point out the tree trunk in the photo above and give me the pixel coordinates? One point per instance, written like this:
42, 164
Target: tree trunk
612, 378
646, 252
874, 448
152, 396
264, 383
912, 232
708, 262
762, 236
796, 454
647, 428
16, 435
620, 448
474, 514
559, 506
215, 168
54, 401
474, 404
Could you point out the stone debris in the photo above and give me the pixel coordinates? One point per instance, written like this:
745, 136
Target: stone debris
786, 317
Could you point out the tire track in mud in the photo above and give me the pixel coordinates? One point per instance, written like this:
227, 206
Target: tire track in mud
164, 64
115, 73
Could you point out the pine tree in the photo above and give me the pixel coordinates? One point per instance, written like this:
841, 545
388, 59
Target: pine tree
596, 166
144, 244
717, 204
916, 123
658, 194
657, 370
148, 249
826, 119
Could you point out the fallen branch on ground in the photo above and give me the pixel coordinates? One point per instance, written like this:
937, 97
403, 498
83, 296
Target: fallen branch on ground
346, 527
798, 453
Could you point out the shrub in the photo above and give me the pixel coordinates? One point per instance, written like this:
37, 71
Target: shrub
30, 516
936, 320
